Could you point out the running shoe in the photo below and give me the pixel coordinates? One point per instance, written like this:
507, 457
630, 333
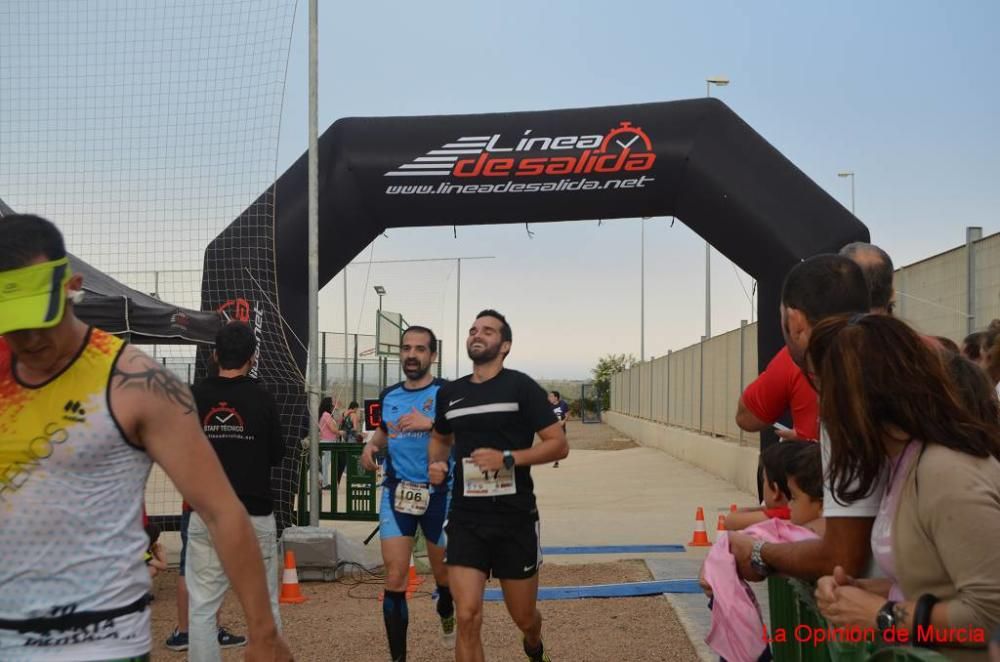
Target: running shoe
177, 641
229, 640
448, 631
536, 656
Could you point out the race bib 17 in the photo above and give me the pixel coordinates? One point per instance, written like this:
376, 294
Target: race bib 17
479, 483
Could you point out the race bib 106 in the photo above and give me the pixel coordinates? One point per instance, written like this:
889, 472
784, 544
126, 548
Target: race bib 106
479, 483
411, 498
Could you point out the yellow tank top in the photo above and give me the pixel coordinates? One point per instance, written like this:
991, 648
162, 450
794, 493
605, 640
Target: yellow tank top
71, 491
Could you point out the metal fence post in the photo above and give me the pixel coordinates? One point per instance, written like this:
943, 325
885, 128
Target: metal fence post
669, 352
354, 389
652, 373
972, 235
628, 405
743, 349
902, 290
322, 365
701, 390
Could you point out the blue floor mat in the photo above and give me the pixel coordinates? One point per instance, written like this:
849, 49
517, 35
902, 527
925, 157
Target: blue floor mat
627, 590
614, 549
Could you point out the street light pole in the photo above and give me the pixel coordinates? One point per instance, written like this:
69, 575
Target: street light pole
719, 81
849, 173
458, 315
313, 387
458, 292
642, 292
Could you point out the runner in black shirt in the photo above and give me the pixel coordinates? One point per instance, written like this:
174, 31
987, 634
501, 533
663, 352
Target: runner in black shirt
491, 417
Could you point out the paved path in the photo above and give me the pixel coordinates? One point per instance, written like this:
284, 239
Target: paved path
634, 496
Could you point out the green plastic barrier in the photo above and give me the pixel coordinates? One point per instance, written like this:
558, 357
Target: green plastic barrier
360, 496
792, 606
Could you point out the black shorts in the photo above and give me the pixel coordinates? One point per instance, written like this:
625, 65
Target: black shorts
506, 551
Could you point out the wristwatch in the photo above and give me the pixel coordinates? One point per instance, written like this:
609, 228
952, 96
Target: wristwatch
886, 619
508, 460
757, 561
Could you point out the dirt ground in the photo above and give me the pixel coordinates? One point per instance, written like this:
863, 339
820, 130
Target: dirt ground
342, 621
590, 437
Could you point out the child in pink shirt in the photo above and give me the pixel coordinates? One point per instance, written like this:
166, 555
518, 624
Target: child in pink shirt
737, 625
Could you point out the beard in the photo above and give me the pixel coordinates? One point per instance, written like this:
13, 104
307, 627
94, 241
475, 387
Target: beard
415, 370
483, 355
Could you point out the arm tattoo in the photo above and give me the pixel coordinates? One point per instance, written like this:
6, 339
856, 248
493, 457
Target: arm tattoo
147, 375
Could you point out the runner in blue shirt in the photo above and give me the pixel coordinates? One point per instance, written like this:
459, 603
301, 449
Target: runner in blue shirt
408, 498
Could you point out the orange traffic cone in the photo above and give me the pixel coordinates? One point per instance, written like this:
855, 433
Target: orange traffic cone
413, 580
722, 523
733, 508
700, 538
290, 593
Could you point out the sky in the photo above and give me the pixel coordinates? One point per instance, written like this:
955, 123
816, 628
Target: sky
904, 94
132, 140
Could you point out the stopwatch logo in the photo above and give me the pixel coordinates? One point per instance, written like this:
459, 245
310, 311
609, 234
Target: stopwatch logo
236, 309
625, 136
223, 418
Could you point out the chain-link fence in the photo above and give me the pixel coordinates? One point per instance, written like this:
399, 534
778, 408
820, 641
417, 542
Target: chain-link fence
362, 374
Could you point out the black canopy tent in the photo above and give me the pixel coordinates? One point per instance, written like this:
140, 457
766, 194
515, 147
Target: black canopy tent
695, 159
139, 317
136, 316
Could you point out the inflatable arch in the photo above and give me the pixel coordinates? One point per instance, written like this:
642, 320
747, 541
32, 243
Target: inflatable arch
694, 159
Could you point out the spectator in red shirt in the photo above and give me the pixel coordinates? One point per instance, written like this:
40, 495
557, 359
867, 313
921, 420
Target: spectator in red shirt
781, 387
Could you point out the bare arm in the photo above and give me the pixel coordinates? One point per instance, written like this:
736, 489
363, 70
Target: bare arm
379, 440
438, 450
747, 420
158, 412
876, 585
846, 601
743, 518
375, 445
439, 447
846, 542
551, 447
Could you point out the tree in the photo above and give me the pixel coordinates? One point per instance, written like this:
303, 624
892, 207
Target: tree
607, 366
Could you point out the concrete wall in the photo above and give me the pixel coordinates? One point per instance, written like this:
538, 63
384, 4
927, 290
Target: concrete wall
698, 387
731, 462
694, 388
932, 295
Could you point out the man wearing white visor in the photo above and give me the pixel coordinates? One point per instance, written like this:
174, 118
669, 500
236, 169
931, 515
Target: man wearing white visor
82, 418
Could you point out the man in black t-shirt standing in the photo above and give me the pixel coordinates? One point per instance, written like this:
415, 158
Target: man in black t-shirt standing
240, 418
491, 418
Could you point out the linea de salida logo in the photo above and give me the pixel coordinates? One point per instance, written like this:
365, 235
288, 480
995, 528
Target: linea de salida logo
623, 149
